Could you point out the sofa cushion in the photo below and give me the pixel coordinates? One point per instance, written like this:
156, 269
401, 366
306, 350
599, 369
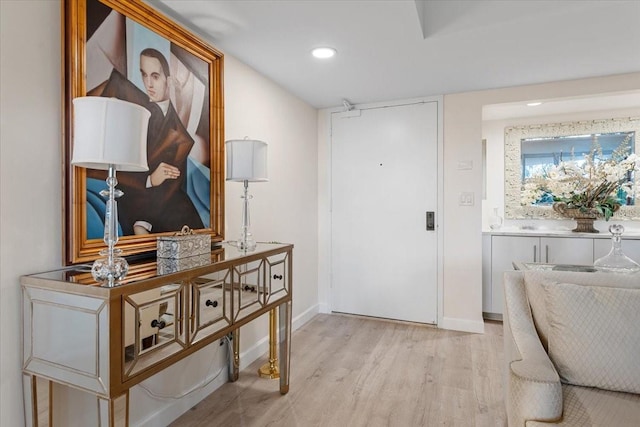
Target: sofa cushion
594, 335
535, 279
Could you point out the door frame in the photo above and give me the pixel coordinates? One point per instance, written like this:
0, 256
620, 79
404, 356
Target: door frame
325, 282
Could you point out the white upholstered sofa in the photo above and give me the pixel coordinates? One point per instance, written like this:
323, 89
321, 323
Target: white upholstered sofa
572, 348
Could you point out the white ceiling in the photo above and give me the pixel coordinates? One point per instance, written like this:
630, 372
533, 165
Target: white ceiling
394, 49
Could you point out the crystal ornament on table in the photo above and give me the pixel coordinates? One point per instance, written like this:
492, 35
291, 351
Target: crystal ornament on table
616, 260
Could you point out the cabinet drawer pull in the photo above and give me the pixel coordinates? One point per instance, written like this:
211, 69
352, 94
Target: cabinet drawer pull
160, 324
211, 303
248, 288
275, 276
535, 252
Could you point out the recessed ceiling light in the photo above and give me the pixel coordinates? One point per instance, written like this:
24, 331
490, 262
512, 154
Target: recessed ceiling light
533, 104
323, 52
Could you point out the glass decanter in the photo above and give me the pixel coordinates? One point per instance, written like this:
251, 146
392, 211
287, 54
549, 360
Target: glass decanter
495, 220
616, 260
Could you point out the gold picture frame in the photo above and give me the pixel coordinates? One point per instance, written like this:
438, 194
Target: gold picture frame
105, 43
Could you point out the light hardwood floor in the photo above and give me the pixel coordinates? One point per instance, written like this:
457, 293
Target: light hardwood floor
356, 371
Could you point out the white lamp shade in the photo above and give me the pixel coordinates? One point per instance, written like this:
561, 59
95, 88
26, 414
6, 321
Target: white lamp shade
109, 131
246, 160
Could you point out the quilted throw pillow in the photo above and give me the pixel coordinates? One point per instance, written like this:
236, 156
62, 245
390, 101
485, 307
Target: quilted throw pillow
594, 335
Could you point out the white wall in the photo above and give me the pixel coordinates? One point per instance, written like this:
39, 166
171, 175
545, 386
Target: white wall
30, 173
283, 209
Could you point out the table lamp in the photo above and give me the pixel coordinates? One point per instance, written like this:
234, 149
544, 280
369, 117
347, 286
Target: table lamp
110, 134
246, 162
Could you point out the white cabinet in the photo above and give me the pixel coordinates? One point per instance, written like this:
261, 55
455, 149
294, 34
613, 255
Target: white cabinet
505, 250
486, 273
566, 250
500, 251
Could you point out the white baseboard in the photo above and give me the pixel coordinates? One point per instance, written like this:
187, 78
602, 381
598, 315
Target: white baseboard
324, 308
303, 318
173, 409
261, 347
464, 325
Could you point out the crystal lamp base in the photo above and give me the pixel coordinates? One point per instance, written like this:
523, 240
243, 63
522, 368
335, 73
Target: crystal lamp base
109, 269
246, 243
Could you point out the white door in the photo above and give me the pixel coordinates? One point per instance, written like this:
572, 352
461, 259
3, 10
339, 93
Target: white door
384, 173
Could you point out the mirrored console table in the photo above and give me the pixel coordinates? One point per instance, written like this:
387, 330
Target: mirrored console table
104, 341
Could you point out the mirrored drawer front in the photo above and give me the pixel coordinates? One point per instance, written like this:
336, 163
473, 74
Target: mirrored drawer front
248, 288
211, 305
154, 329
277, 276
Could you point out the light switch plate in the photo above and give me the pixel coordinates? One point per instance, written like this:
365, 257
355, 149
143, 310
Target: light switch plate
466, 199
465, 164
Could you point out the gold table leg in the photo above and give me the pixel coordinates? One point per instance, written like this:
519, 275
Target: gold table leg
234, 368
284, 311
270, 369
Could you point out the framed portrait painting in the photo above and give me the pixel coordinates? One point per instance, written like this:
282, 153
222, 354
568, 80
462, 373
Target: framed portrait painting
127, 50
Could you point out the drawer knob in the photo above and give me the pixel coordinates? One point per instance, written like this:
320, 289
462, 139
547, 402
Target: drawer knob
211, 303
275, 276
160, 324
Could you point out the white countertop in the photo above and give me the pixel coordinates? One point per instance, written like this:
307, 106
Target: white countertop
558, 232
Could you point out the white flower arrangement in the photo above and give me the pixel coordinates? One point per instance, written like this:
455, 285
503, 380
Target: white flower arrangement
593, 182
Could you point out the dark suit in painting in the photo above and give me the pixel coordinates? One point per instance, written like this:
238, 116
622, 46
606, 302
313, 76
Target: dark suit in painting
166, 207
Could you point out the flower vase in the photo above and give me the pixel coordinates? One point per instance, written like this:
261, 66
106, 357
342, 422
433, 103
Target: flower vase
583, 216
